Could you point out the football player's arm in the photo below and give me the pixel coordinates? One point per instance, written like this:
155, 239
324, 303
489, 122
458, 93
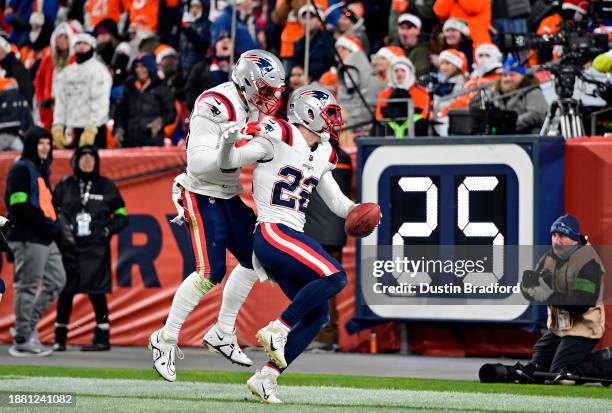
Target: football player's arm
333, 197
202, 146
258, 149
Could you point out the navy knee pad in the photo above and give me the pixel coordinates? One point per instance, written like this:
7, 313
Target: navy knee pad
336, 282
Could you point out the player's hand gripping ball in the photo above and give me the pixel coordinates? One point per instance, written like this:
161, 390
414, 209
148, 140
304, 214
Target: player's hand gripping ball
362, 220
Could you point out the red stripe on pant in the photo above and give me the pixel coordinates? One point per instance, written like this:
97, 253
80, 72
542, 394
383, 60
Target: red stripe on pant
202, 268
305, 247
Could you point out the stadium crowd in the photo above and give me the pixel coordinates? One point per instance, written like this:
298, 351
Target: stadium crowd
119, 73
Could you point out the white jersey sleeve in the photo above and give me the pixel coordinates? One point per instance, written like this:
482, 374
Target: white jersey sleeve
333, 196
258, 149
214, 111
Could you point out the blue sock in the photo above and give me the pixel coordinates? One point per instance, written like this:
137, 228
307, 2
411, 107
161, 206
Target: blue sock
312, 295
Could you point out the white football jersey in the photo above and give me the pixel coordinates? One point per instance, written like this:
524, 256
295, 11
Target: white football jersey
282, 185
214, 111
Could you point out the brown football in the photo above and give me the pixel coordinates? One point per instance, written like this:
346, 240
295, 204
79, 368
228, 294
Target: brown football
362, 220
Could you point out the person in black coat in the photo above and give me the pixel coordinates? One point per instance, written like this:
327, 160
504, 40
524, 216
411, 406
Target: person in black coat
322, 47
144, 108
90, 210
195, 36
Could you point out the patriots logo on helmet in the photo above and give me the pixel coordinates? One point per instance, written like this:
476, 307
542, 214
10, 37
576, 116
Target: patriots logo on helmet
263, 64
317, 94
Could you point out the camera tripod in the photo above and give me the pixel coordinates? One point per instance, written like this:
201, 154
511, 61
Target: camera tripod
570, 122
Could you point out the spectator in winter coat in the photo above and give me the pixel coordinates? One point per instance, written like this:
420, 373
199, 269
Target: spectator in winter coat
223, 23
418, 52
15, 69
38, 262
321, 45
477, 13
15, 116
356, 74
195, 37
91, 210
144, 108
52, 64
524, 97
82, 98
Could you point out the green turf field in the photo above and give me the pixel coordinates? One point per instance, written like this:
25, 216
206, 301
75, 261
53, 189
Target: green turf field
131, 390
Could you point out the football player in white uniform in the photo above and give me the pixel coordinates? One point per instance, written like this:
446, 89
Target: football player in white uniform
293, 158
207, 198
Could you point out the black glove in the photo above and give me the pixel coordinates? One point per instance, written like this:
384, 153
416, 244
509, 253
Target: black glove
2, 288
530, 279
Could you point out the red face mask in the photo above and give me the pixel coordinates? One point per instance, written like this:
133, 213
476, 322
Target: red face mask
268, 98
332, 114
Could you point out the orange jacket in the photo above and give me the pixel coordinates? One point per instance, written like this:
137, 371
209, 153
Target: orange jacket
149, 9
418, 94
477, 13
286, 14
29, 56
98, 10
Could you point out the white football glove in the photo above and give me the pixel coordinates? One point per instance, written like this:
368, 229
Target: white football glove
234, 133
179, 219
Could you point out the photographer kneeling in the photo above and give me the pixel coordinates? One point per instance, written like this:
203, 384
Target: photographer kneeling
569, 280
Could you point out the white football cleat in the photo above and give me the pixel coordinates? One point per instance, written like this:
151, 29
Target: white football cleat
273, 341
164, 356
226, 345
263, 386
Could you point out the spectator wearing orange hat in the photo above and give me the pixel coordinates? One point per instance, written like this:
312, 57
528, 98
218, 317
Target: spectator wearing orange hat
453, 72
321, 45
382, 61
351, 22
355, 74
477, 13
409, 29
392, 109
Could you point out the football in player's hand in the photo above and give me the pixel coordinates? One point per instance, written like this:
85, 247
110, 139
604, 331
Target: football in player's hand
362, 220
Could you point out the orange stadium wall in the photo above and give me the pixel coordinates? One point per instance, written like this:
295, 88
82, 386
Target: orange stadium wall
588, 196
150, 258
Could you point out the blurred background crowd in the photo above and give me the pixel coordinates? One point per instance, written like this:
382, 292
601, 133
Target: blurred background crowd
126, 73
